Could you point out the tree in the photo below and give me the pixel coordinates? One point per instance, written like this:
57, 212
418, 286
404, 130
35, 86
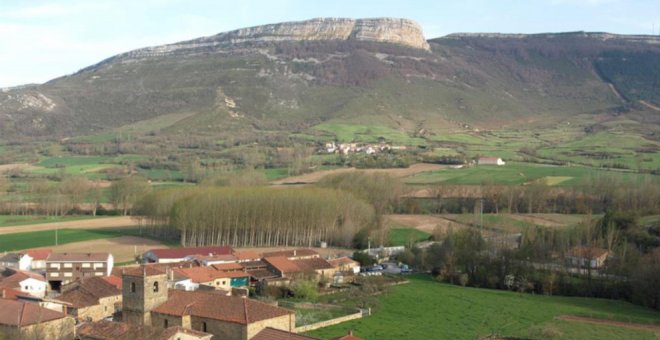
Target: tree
363, 258
127, 191
305, 290
75, 188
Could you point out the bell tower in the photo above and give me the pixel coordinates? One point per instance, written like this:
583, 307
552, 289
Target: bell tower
143, 289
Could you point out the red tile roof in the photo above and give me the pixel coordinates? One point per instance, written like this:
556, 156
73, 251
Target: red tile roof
282, 264
211, 258
343, 261
78, 257
348, 336
114, 280
218, 307
302, 252
10, 293
19, 313
39, 254
269, 333
243, 255
106, 330
89, 291
227, 267
179, 253
315, 263
14, 280
143, 270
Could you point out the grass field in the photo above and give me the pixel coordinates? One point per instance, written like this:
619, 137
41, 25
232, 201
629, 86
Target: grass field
368, 133
46, 238
406, 236
514, 173
16, 220
425, 309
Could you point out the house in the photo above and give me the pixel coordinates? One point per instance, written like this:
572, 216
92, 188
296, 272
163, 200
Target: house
287, 268
588, 257
207, 260
27, 282
246, 256
209, 276
39, 257
345, 264
63, 268
111, 330
180, 254
24, 320
147, 301
16, 261
92, 299
490, 161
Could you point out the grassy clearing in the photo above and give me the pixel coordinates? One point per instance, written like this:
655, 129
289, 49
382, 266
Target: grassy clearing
406, 236
424, 309
368, 133
514, 173
36, 239
17, 220
306, 316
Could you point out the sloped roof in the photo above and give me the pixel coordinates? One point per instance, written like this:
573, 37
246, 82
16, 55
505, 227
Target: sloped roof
14, 280
269, 333
282, 264
259, 274
291, 253
39, 254
106, 329
348, 336
206, 274
179, 253
78, 257
227, 266
89, 291
242, 255
211, 258
113, 280
19, 313
316, 263
11, 257
218, 307
9, 293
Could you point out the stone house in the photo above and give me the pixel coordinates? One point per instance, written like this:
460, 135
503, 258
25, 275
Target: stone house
92, 299
345, 264
25, 320
111, 330
218, 279
314, 267
269, 333
63, 268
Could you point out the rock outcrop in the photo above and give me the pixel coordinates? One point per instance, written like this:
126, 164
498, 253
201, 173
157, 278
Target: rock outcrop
385, 30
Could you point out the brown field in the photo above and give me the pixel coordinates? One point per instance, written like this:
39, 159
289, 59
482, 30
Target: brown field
396, 172
630, 325
106, 222
123, 248
425, 223
12, 166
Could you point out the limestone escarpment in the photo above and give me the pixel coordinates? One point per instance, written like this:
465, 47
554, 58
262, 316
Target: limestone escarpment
403, 32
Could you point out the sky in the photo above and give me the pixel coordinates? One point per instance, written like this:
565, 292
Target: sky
42, 40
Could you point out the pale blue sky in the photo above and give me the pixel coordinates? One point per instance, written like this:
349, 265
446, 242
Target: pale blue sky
40, 40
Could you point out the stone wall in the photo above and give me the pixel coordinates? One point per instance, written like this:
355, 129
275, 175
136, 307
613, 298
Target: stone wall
326, 323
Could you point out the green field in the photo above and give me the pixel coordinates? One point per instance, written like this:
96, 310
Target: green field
37, 239
425, 309
17, 220
514, 173
406, 236
368, 133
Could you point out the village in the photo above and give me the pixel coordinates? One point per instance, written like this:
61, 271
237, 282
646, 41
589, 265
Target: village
186, 293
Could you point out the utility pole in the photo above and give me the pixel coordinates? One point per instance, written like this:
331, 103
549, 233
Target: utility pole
482, 215
56, 228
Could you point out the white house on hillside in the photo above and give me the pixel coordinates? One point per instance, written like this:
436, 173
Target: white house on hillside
490, 161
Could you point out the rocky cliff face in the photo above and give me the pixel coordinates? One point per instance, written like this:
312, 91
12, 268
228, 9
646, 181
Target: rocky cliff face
385, 30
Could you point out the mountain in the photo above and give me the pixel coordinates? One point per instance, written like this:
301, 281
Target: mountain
274, 80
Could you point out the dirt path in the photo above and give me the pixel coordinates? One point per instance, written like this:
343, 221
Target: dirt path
425, 223
104, 222
630, 325
649, 105
396, 172
123, 248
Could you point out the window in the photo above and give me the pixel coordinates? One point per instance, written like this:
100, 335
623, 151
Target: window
86, 265
68, 265
165, 323
132, 287
156, 287
204, 326
55, 265
68, 274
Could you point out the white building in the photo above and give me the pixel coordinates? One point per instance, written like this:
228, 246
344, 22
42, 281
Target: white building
16, 261
24, 281
490, 161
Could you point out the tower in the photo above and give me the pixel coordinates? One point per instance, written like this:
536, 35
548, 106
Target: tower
144, 288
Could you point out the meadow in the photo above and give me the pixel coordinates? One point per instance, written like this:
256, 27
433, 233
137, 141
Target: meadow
425, 309
46, 238
401, 236
515, 173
